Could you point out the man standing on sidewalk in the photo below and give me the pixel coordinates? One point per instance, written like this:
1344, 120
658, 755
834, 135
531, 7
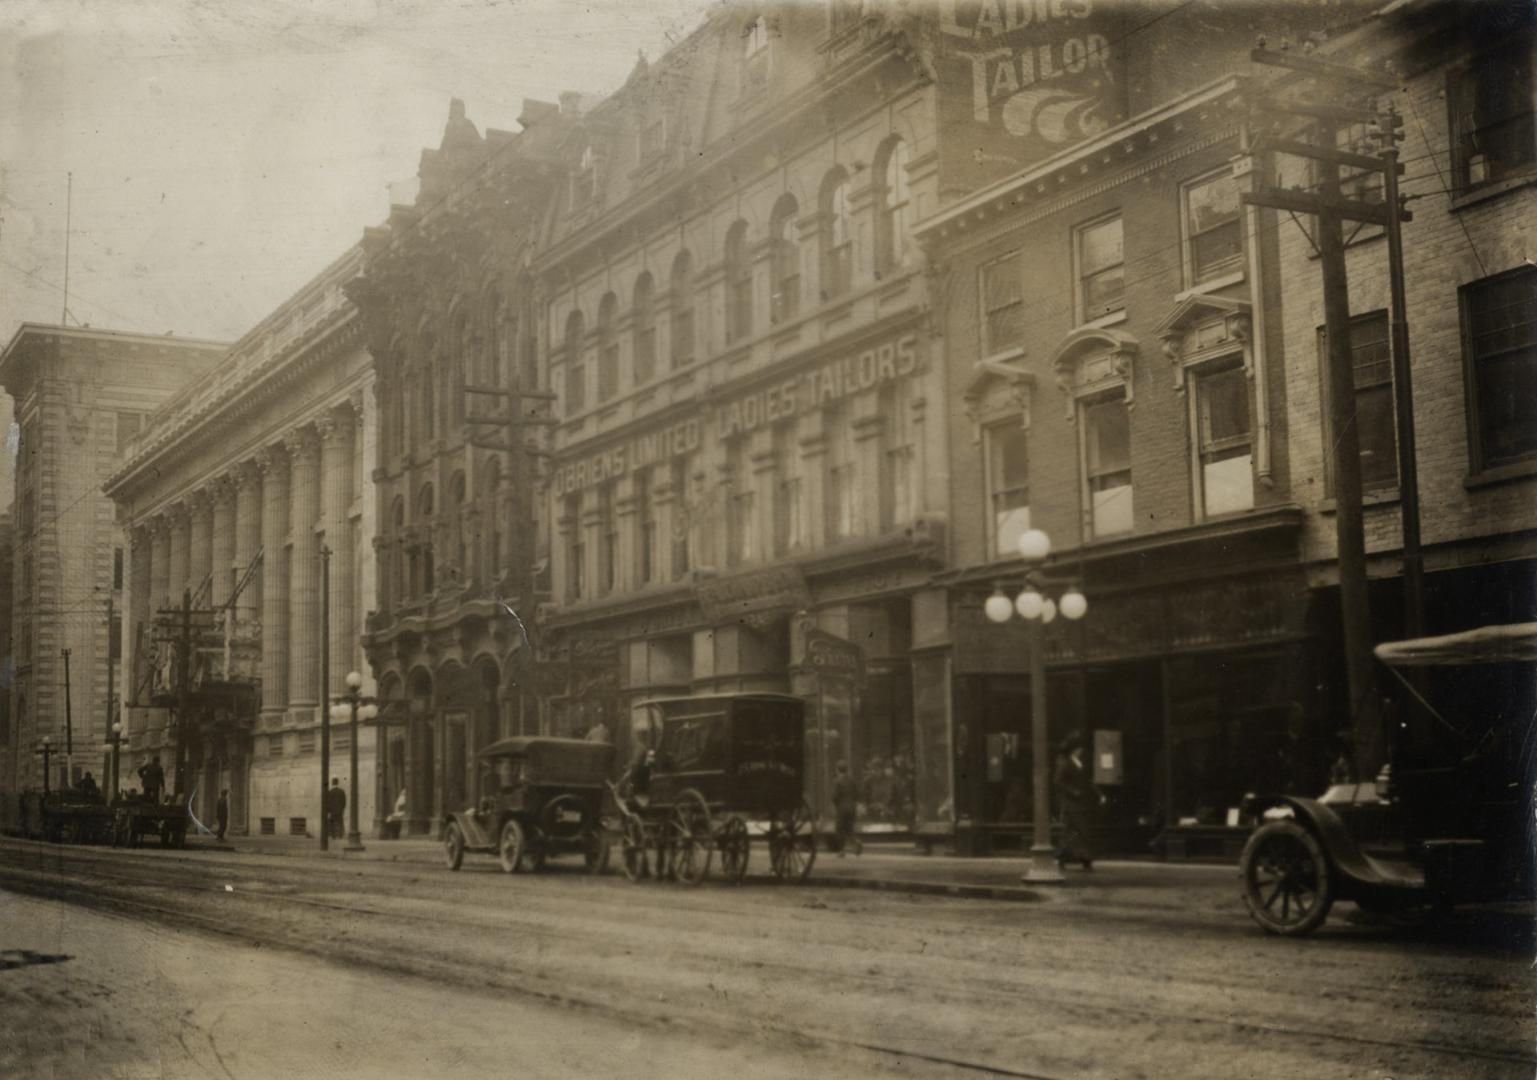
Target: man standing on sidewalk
336, 807
846, 804
221, 813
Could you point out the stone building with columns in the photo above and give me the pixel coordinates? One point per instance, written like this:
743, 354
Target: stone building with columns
444, 295
81, 396
235, 497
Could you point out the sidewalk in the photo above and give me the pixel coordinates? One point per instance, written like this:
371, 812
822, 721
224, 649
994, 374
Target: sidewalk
887, 867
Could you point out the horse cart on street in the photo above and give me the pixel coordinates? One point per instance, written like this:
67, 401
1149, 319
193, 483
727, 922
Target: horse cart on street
135, 817
1449, 820
542, 797
65, 817
720, 769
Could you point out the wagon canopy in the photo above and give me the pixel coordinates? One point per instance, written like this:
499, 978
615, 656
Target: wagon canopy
1508, 643
557, 761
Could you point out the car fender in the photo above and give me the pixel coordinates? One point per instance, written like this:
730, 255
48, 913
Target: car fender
471, 828
1358, 873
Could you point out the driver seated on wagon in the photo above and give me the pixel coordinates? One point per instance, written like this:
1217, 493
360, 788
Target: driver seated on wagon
635, 784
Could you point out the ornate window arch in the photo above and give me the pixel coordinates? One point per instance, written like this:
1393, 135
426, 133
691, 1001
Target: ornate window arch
784, 260
643, 328
894, 203
608, 347
738, 283
837, 235
1095, 368
576, 372
681, 299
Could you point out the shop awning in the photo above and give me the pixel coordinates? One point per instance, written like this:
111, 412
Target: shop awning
1509, 643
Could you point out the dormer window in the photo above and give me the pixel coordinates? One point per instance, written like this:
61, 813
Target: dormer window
584, 184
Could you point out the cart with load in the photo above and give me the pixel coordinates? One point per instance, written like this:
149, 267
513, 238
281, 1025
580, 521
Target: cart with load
722, 768
542, 797
65, 817
135, 817
1449, 819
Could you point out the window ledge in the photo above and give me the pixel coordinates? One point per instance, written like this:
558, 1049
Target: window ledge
1114, 318
1491, 191
1006, 356
1500, 474
1211, 286
1369, 499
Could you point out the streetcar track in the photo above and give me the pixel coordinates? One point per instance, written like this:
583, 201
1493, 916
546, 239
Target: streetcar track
1004, 995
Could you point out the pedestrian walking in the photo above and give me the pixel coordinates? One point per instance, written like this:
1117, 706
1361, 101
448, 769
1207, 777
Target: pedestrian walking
221, 812
1080, 801
336, 806
846, 806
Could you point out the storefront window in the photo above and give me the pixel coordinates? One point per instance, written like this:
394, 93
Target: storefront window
933, 789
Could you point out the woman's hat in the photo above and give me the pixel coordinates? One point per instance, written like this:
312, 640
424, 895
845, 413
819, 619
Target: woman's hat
1073, 741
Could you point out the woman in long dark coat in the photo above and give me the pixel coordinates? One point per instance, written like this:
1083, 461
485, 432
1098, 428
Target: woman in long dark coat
1080, 801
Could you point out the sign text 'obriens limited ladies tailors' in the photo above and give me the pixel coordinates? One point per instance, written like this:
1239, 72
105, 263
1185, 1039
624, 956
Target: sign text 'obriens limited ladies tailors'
811, 389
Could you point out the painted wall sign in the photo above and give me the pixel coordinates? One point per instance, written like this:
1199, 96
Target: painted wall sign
776, 588
865, 369
1024, 79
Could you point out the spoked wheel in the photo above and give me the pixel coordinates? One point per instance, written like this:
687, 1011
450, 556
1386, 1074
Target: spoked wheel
634, 849
1286, 881
595, 850
693, 838
453, 846
512, 846
734, 846
793, 845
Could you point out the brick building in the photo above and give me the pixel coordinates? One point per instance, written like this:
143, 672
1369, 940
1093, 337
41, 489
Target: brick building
230, 495
81, 397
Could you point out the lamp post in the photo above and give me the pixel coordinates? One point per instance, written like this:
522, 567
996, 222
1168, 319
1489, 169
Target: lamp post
116, 739
46, 750
348, 709
1037, 610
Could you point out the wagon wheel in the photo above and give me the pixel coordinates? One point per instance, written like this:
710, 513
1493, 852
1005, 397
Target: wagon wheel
793, 845
595, 849
453, 846
1286, 881
693, 838
735, 846
634, 848
512, 846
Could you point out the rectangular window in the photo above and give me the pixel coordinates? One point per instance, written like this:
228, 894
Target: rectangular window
576, 388
645, 348
1101, 269
741, 528
755, 54
739, 288
608, 371
680, 520
1213, 243
608, 540
1372, 371
1499, 319
840, 503
787, 514
1003, 305
1008, 481
1490, 101
682, 332
1107, 464
115, 637
896, 487
128, 426
575, 549
117, 569
645, 528
1224, 444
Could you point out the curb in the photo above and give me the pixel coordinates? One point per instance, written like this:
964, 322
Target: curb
929, 888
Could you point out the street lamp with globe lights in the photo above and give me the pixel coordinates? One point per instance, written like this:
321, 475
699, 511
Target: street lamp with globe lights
46, 750
347, 710
116, 739
1038, 609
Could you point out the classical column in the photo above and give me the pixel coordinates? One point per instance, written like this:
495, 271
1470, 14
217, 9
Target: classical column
200, 549
159, 563
247, 530
222, 548
336, 437
177, 521
304, 568
274, 525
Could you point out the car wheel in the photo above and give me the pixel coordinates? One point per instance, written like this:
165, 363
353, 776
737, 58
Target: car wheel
453, 846
512, 846
1287, 883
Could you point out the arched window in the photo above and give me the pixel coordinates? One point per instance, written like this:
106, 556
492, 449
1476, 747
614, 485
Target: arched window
738, 284
837, 236
396, 570
427, 421
784, 261
608, 347
681, 288
456, 371
456, 524
576, 373
643, 321
895, 203
493, 358
490, 516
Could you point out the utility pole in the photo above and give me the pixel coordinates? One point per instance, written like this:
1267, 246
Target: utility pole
69, 726
107, 726
183, 690
1330, 210
325, 693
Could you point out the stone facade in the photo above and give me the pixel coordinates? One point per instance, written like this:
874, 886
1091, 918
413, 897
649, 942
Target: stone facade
81, 396
238, 492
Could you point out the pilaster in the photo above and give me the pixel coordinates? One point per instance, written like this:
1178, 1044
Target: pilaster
303, 447
274, 468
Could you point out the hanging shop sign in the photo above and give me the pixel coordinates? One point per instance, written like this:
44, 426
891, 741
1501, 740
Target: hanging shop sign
828, 654
860, 370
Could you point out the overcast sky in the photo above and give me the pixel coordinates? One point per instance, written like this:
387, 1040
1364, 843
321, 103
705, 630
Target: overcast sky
225, 151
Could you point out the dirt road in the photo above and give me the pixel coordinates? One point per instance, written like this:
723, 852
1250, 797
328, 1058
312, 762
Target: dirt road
653, 980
